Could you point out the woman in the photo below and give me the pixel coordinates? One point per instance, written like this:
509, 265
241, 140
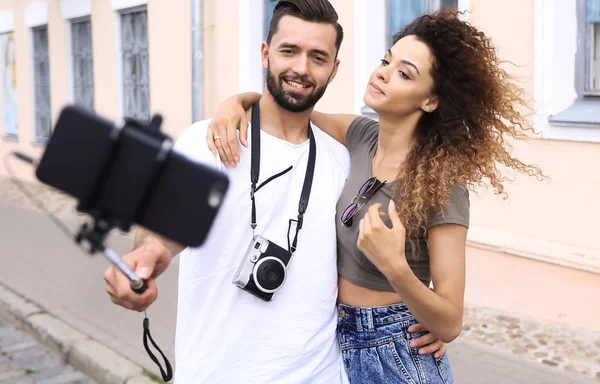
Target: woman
444, 107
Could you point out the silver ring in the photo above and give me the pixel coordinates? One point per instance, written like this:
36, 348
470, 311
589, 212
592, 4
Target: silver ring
217, 138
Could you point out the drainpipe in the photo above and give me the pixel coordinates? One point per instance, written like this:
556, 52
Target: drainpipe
197, 61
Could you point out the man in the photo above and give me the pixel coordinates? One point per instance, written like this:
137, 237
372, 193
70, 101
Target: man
226, 334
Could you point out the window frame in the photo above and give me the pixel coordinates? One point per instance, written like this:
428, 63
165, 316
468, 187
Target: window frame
589, 41
251, 34
37, 137
121, 53
583, 112
268, 12
427, 6
72, 55
13, 135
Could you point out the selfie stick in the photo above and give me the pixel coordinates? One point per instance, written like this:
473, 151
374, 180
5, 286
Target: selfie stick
98, 199
95, 237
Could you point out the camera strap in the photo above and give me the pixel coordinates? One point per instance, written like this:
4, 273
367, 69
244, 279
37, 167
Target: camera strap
255, 171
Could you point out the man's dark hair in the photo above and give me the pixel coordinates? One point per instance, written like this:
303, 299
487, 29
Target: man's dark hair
315, 11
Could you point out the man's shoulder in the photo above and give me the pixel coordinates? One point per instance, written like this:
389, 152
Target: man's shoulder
336, 150
192, 143
195, 131
327, 140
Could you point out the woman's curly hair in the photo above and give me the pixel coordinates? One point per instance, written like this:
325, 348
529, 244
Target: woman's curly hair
462, 142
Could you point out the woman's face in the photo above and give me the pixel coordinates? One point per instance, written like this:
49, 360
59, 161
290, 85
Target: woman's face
402, 84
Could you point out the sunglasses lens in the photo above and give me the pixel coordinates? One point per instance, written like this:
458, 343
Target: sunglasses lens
366, 186
349, 212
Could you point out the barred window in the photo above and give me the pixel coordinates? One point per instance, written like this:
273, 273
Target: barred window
83, 63
593, 47
402, 12
269, 8
41, 68
9, 84
584, 111
136, 84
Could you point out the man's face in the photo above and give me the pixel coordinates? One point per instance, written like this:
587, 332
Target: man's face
300, 62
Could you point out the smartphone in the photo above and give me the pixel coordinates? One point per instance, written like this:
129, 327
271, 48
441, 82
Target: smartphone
127, 174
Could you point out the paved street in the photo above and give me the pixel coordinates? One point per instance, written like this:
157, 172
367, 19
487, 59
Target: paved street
24, 361
40, 263
473, 363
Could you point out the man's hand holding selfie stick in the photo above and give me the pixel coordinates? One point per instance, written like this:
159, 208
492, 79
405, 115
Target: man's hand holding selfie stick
150, 258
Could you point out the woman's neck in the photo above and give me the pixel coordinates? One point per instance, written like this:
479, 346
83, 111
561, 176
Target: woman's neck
395, 140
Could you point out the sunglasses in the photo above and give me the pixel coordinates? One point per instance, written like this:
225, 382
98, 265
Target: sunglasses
365, 193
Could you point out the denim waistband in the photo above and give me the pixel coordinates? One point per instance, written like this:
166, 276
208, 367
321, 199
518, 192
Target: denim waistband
371, 317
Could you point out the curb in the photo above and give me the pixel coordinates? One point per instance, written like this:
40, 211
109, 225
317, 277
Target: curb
74, 347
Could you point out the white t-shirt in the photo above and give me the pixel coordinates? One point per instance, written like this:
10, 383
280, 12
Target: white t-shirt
227, 335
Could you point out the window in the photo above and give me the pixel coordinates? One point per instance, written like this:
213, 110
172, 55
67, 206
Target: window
41, 73
584, 110
83, 63
269, 7
402, 12
593, 47
251, 33
8, 81
134, 47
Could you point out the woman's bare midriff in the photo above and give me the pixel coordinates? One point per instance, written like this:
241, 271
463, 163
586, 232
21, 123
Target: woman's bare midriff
356, 296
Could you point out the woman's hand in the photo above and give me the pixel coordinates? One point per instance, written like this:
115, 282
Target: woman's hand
383, 246
385, 249
221, 136
428, 343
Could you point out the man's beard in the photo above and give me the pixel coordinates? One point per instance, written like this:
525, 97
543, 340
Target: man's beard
290, 100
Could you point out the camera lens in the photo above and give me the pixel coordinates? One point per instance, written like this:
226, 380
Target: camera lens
269, 274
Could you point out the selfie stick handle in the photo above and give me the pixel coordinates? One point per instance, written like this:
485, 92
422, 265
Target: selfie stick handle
138, 284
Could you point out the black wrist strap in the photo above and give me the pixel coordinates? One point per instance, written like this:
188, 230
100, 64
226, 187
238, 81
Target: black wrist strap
255, 172
166, 376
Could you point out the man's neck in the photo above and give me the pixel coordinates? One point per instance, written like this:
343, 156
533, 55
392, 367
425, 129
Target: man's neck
283, 124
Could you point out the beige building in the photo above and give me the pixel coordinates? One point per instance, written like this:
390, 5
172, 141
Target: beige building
534, 254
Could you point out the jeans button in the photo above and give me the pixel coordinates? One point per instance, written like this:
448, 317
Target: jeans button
342, 313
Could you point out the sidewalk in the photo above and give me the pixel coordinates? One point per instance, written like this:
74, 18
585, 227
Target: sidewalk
24, 361
474, 363
41, 264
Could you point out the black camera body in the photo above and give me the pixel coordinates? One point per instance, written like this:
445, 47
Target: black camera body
263, 269
126, 173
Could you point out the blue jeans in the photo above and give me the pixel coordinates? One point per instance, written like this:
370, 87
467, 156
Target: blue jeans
375, 348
